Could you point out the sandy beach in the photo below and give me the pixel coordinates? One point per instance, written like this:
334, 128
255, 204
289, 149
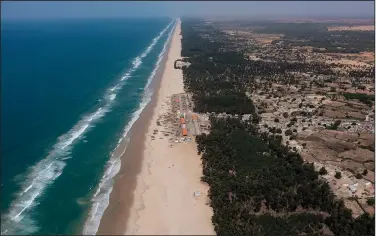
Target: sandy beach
153, 192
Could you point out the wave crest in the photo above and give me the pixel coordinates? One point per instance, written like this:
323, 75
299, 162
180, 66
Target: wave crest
101, 197
41, 175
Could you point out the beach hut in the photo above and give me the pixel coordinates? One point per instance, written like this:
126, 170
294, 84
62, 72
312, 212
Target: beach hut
184, 131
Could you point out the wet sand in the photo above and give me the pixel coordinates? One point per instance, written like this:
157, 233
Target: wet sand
153, 191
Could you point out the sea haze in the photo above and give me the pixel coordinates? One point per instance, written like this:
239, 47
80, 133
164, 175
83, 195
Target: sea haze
70, 92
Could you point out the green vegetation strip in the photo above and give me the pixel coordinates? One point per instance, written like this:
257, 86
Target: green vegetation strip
364, 98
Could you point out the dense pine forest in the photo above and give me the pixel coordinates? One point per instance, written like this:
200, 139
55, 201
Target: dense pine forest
257, 185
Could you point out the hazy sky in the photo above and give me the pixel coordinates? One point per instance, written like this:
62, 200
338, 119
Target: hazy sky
71, 9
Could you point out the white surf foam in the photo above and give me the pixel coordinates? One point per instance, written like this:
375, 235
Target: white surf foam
43, 173
101, 197
127, 75
114, 88
137, 62
112, 96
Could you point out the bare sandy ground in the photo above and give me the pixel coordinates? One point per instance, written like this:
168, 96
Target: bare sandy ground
163, 201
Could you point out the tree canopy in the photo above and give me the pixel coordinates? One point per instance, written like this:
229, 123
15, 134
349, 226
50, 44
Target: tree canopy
257, 185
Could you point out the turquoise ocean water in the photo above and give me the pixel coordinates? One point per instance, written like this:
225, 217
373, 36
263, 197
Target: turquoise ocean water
70, 91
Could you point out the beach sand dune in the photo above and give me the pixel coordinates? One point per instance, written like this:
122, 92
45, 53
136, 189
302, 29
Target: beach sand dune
156, 195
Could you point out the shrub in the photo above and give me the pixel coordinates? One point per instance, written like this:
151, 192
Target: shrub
365, 172
371, 201
279, 131
288, 132
338, 175
370, 147
276, 120
335, 125
362, 87
359, 176
294, 119
323, 171
285, 114
294, 130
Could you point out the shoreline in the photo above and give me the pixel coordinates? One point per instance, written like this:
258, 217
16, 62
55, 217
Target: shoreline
92, 223
153, 191
114, 218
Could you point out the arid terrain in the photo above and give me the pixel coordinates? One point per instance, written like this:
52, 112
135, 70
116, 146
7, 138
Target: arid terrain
325, 111
289, 110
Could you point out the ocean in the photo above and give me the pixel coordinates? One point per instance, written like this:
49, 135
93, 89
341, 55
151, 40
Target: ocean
70, 92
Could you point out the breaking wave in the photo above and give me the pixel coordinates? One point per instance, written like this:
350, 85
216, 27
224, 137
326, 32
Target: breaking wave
101, 197
38, 177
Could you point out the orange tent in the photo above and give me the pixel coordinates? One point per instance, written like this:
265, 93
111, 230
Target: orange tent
182, 121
